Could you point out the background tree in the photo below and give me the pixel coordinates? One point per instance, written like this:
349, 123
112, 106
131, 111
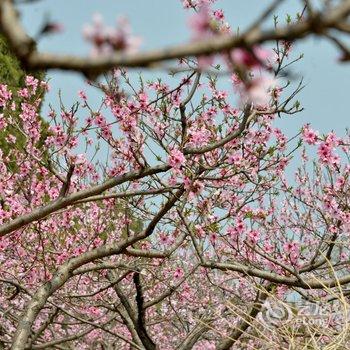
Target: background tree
13, 76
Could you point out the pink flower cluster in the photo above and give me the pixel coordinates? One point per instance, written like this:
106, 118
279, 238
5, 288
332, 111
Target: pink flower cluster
205, 22
176, 159
309, 135
258, 91
326, 150
5, 95
256, 58
107, 40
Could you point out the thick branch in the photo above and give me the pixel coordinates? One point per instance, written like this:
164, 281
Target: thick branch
63, 202
23, 45
193, 337
310, 283
141, 327
244, 324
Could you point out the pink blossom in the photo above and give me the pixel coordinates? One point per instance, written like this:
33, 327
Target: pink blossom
194, 187
255, 59
24, 93
143, 99
253, 236
31, 83
200, 23
287, 46
236, 80
187, 4
332, 140
331, 206
220, 95
200, 232
290, 247
100, 120
198, 137
82, 95
178, 273
235, 158
213, 237
120, 37
340, 182
45, 85
324, 151
240, 226
258, 91
4, 243
309, 135
219, 14
164, 238
176, 158
5, 94
78, 159
94, 311
107, 40
276, 92
3, 122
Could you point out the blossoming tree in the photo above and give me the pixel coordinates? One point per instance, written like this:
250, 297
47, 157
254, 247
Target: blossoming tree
164, 217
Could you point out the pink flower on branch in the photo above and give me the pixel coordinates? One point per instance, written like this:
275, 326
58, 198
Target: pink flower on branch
309, 135
205, 24
3, 122
253, 236
258, 91
201, 23
256, 58
107, 40
5, 95
219, 15
178, 273
176, 159
326, 154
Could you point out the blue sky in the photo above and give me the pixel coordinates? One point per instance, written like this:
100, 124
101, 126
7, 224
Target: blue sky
164, 22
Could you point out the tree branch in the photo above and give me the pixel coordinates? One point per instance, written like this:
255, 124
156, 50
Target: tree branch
23, 46
63, 202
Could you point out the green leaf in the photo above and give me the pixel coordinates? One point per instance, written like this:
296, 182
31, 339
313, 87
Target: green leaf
271, 151
249, 215
103, 235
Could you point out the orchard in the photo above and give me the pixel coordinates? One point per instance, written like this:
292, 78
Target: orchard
171, 215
